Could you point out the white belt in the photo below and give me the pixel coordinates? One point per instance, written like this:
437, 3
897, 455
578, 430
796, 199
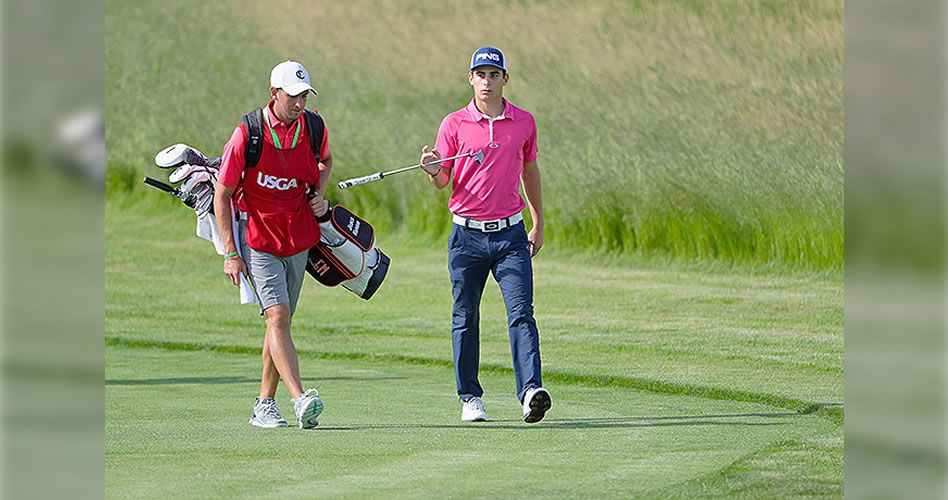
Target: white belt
488, 226
241, 215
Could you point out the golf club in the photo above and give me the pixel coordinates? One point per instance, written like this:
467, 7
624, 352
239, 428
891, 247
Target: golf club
189, 199
198, 178
184, 171
478, 157
180, 154
204, 198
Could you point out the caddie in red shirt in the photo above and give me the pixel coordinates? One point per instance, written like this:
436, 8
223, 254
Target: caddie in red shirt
277, 227
488, 235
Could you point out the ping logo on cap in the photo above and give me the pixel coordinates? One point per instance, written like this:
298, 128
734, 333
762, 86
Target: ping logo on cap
489, 56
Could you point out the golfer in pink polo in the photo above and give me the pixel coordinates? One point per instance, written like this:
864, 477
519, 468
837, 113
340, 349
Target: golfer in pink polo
488, 236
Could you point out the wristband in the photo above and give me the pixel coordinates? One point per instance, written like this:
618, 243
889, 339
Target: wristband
231, 255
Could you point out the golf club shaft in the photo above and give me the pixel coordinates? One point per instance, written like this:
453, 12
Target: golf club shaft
405, 169
381, 175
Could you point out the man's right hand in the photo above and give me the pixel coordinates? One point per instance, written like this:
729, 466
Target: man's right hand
432, 156
233, 267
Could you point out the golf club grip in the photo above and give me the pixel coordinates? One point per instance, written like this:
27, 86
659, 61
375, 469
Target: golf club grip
359, 180
160, 185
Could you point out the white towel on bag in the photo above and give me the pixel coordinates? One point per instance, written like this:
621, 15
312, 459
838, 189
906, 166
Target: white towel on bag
207, 229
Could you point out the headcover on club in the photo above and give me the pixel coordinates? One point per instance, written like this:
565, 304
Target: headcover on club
180, 154
346, 254
185, 171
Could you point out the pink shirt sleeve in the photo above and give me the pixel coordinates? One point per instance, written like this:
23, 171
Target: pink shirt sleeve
447, 143
530, 145
232, 161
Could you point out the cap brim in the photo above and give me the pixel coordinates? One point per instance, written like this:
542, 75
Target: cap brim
488, 64
295, 89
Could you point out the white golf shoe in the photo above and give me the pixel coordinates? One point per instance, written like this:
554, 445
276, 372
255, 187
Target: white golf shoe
308, 406
535, 404
473, 410
266, 414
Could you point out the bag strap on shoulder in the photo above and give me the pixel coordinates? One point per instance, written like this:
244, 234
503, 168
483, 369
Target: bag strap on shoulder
316, 128
253, 122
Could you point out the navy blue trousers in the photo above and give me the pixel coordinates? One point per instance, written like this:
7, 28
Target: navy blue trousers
472, 255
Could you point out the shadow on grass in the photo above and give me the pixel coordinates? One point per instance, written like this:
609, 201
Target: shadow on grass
224, 380
590, 423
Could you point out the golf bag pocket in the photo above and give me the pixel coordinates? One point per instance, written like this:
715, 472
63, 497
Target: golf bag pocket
346, 254
353, 228
327, 268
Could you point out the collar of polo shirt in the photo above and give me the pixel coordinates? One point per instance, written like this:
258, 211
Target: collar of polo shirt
476, 114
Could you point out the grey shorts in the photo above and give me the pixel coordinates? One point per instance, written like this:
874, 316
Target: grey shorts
276, 280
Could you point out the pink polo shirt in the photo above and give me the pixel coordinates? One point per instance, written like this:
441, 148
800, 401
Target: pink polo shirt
490, 190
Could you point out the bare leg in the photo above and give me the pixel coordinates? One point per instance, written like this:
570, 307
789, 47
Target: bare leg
271, 377
282, 350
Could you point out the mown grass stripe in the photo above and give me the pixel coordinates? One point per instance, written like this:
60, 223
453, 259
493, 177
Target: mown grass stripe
832, 413
785, 455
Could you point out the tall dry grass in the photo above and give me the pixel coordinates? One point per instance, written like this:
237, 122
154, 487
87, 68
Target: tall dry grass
689, 129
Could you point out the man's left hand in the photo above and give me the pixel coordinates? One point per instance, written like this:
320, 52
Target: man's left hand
317, 204
535, 237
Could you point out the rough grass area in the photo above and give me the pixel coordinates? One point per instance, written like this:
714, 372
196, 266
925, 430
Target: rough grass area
685, 129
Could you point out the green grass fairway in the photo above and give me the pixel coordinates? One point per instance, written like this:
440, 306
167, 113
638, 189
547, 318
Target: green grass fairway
666, 381
177, 428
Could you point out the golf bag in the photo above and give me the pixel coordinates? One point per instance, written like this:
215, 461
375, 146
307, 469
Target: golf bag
345, 254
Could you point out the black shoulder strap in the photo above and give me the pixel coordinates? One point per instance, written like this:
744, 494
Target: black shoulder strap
316, 129
253, 122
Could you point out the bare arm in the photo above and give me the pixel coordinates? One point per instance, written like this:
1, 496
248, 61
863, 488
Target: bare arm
224, 215
531, 188
325, 167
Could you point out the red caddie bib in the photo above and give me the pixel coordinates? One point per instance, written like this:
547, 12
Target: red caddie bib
279, 220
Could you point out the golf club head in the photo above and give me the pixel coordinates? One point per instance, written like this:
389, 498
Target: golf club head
479, 157
197, 178
184, 171
203, 196
179, 154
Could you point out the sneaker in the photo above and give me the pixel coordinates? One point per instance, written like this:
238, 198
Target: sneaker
308, 406
535, 404
266, 414
473, 410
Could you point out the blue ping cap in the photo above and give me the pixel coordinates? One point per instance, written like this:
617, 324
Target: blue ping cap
489, 56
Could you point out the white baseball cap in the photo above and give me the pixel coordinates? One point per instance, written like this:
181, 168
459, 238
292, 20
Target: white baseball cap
292, 77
